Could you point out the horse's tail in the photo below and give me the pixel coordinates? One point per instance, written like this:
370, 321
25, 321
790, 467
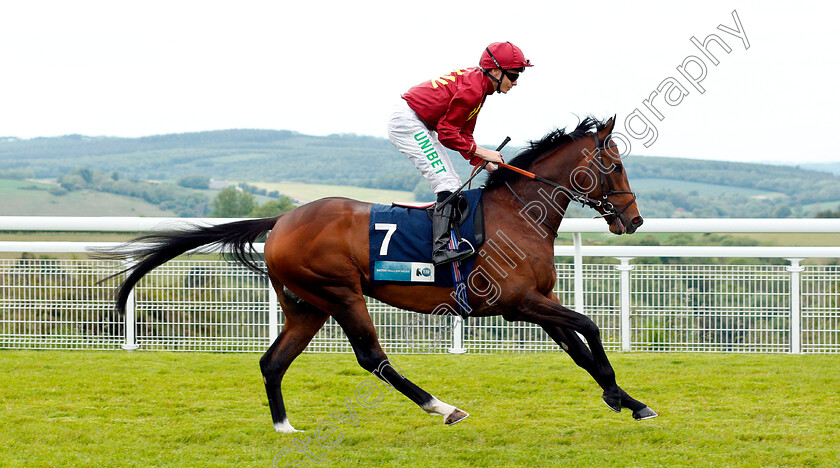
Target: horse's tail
149, 252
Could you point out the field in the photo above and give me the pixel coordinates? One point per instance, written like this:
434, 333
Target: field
309, 192
32, 198
28, 198
25, 198
703, 189
814, 208
193, 409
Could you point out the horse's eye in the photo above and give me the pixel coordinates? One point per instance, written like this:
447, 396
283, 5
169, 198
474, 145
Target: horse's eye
618, 168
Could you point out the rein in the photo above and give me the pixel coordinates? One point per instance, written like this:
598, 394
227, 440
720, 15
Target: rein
607, 189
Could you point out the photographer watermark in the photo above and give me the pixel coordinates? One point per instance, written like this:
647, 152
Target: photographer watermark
672, 91
637, 124
501, 256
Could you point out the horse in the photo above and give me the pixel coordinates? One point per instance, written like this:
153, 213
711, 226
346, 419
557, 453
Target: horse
317, 260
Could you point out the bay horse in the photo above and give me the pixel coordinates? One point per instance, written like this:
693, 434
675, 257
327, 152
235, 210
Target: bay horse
317, 257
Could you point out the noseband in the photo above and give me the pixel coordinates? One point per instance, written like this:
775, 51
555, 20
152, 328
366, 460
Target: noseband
607, 189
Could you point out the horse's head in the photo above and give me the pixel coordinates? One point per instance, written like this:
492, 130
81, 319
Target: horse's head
583, 166
600, 174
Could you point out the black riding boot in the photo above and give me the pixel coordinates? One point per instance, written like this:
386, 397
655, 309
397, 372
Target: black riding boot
441, 233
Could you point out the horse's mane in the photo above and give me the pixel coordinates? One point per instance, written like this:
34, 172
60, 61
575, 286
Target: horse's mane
535, 149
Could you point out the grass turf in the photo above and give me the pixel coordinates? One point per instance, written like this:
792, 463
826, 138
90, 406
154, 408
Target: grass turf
63, 408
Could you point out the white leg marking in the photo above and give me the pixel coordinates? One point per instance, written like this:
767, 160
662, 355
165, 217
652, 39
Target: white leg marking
438, 407
284, 426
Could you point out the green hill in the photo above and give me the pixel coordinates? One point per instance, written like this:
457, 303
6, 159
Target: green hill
25, 198
833, 168
264, 155
666, 186
802, 185
644, 185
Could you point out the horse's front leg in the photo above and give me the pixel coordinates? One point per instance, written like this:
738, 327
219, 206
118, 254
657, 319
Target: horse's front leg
577, 350
561, 323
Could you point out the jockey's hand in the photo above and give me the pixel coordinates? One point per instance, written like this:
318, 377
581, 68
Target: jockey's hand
490, 167
488, 155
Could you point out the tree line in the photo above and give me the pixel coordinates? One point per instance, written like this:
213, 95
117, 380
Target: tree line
182, 198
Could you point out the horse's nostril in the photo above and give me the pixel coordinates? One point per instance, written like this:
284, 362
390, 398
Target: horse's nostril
637, 221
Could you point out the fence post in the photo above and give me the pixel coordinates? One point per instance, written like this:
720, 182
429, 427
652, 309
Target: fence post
795, 305
130, 317
273, 314
578, 263
624, 300
458, 336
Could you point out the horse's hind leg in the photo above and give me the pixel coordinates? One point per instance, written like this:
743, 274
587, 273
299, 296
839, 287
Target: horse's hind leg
358, 326
614, 396
302, 323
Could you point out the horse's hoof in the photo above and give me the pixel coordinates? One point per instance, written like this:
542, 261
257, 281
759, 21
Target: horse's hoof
455, 417
644, 413
284, 427
613, 403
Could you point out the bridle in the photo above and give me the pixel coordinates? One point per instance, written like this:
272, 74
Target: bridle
607, 189
606, 183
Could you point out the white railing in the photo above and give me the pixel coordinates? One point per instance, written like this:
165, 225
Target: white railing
216, 306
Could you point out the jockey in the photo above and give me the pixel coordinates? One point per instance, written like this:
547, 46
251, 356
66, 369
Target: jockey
441, 113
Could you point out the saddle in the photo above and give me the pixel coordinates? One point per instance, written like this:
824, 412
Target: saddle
461, 213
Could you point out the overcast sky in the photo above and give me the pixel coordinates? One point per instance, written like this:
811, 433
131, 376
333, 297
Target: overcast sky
116, 68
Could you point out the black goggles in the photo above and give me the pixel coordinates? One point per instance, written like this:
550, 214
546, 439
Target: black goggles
513, 74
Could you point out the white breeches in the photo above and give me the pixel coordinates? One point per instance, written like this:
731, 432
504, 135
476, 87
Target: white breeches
410, 135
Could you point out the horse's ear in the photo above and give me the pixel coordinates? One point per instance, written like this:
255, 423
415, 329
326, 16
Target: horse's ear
610, 125
607, 130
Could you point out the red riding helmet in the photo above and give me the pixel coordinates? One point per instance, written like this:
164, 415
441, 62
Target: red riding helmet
503, 55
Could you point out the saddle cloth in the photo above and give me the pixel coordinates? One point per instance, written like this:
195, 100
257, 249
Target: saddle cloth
401, 242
